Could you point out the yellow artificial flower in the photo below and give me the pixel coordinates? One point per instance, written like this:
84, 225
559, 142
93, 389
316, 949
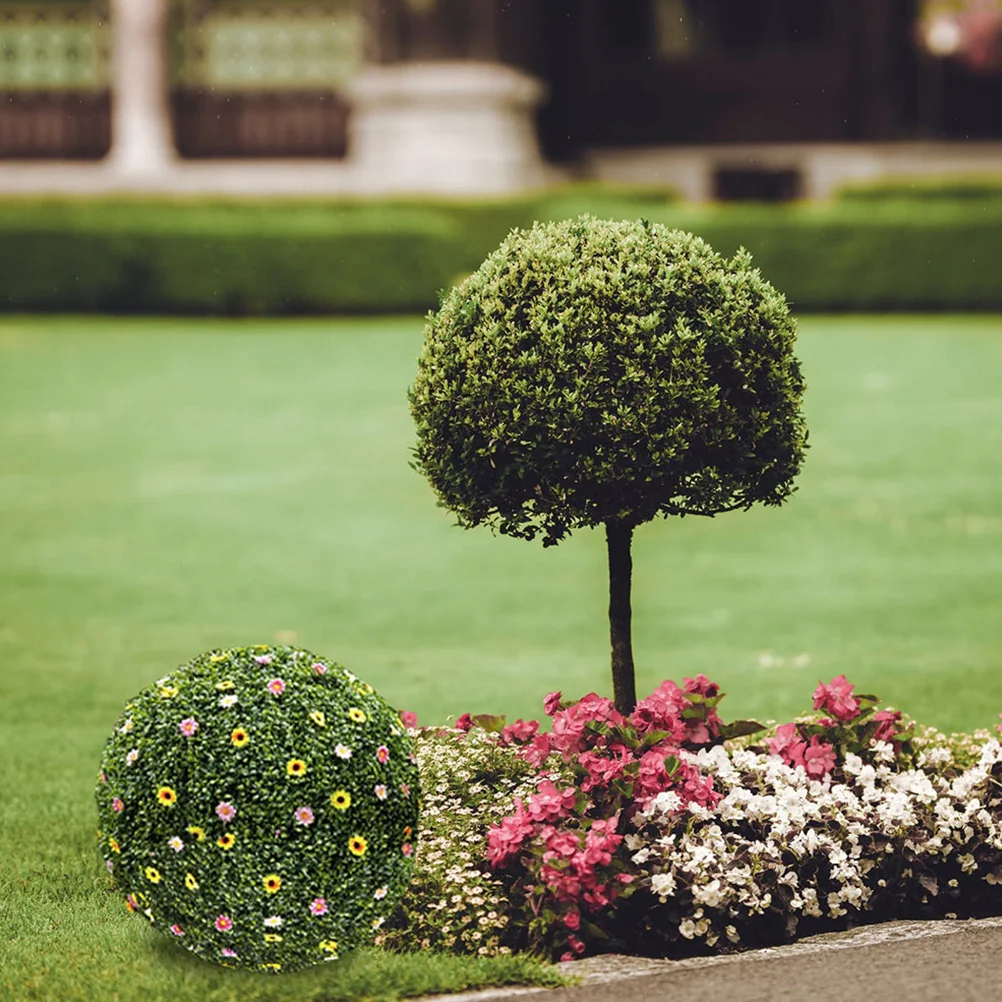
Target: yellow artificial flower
357, 845
166, 796
153, 875
357, 715
272, 937
239, 737
198, 833
114, 845
295, 767
328, 945
260, 647
226, 841
318, 718
271, 967
272, 883
167, 692
222, 656
227, 684
341, 799
190, 882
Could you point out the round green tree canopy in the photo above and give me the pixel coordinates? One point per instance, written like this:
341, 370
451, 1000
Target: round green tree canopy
260, 807
594, 369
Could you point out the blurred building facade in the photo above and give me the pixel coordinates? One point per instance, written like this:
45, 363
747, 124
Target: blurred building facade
728, 98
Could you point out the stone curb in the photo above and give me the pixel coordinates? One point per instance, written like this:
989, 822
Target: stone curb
611, 968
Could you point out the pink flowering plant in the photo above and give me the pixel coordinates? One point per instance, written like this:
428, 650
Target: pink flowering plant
848, 722
561, 850
670, 832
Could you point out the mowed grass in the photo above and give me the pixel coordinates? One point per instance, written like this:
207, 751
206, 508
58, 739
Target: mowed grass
171, 486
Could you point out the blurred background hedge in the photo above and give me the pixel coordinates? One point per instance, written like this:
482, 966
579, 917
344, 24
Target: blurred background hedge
899, 246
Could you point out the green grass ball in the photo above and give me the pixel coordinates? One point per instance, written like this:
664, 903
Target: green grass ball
260, 807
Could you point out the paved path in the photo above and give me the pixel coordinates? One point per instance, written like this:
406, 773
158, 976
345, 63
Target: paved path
946, 961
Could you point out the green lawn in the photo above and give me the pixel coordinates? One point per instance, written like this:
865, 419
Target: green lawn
167, 487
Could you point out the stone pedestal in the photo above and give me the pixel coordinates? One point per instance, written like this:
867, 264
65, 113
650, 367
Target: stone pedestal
445, 127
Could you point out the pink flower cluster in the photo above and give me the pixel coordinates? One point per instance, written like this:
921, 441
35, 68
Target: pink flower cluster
816, 758
852, 726
565, 839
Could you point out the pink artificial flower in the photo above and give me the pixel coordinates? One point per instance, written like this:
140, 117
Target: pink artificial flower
405, 789
519, 731
382, 754
701, 685
276, 687
662, 711
225, 811
177, 930
407, 849
505, 840
109, 866
304, 815
787, 744
550, 803
188, 726
573, 919
117, 805
101, 776
537, 750
464, 723
227, 952
828, 722
837, 699
318, 906
224, 924
408, 719
263, 659
320, 669
601, 770
695, 788
551, 703
819, 758
576, 945
559, 844
886, 721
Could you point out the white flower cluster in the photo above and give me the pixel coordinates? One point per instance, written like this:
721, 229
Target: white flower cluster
782, 844
453, 901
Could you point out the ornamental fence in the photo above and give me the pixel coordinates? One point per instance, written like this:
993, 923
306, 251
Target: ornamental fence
246, 77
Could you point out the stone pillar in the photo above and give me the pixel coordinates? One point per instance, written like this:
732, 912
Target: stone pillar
437, 110
141, 137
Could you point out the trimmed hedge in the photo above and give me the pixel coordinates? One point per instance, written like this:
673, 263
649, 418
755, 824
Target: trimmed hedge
971, 188
279, 258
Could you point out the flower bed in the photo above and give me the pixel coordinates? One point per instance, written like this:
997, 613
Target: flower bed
671, 833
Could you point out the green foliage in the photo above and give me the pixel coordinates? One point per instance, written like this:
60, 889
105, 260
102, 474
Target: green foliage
240, 258
971, 188
594, 370
259, 806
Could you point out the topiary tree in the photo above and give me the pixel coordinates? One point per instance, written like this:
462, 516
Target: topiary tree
601, 372
260, 807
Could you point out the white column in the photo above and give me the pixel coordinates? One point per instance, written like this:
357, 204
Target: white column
141, 139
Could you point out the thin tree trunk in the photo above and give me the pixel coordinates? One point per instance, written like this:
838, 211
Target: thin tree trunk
624, 687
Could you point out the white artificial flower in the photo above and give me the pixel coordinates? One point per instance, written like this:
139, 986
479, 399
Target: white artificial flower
273, 921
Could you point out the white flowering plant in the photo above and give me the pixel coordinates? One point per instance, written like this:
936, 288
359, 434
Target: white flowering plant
260, 806
670, 832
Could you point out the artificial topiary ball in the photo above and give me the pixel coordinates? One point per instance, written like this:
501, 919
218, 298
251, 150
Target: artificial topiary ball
260, 806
